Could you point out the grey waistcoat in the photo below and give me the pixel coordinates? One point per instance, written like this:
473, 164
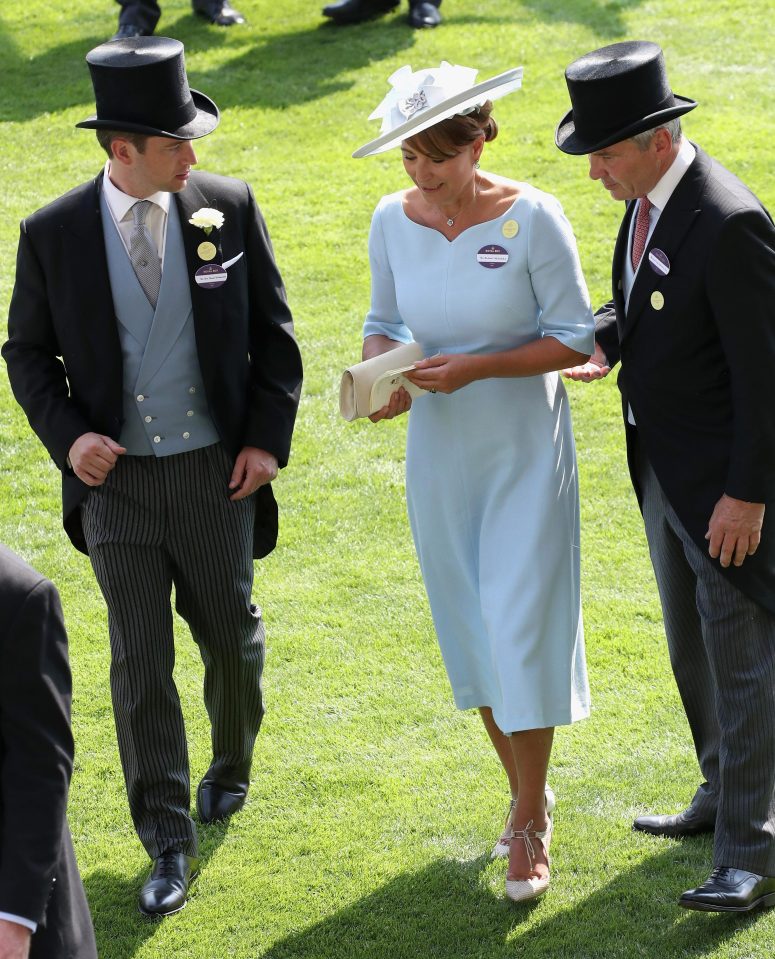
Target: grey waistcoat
165, 406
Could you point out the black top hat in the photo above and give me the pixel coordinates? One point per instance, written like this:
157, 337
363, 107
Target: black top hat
616, 92
140, 86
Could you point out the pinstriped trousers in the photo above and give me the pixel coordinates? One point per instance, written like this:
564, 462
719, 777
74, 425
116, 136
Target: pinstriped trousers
153, 524
722, 650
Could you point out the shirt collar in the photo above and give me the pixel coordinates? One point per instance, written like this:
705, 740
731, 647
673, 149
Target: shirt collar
672, 176
120, 203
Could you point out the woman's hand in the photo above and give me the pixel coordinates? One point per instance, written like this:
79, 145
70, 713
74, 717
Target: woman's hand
444, 373
400, 402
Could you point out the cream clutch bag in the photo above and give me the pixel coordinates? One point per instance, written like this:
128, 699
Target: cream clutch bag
368, 386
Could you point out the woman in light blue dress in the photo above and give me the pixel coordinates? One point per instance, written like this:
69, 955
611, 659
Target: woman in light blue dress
483, 273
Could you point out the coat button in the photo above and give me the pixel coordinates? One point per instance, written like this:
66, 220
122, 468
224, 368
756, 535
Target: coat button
157, 439
189, 412
140, 397
192, 389
186, 436
148, 419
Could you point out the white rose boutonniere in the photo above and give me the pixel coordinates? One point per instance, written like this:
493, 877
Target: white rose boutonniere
207, 219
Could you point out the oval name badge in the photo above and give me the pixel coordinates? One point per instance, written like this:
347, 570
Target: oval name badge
510, 229
206, 250
211, 276
659, 262
657, 300
492, 256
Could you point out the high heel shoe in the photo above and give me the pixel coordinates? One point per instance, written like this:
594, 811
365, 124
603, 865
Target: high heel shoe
501, 847
521, 890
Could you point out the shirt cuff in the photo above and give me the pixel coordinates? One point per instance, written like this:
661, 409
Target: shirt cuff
20, 920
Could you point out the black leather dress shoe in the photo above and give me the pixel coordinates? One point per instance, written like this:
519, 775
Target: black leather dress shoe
165, 890
686, 823
221, 793
731, 890
219, 12
355, 11
424, 15
128, 30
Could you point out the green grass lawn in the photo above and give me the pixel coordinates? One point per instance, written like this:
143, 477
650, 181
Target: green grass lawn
374, 803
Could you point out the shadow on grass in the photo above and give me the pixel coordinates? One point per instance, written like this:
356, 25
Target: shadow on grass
274, 72
119, 927
449, 911
606, 17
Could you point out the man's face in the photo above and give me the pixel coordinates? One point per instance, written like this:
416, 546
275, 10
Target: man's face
625, 170
163, 166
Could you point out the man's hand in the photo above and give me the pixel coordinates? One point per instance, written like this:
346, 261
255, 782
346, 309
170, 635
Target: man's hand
14, 940
252, 468
595, 368
734, 530
92, 456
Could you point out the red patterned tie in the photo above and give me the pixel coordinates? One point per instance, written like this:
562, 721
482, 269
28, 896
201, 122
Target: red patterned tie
641, 231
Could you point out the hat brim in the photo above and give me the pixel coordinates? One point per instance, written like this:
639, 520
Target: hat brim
206, 120
569, 141
491, 89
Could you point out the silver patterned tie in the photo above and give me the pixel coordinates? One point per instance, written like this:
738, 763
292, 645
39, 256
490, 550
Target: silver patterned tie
143, 253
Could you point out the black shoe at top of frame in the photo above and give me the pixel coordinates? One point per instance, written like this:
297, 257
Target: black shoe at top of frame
424, 15
128, 30
219, 12
686, 823
356, 11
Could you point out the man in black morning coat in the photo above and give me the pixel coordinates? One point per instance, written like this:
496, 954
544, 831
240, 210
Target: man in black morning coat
43, 909
692, 322
152, 349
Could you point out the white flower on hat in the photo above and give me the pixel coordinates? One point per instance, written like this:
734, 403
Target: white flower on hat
417, 90
207, 219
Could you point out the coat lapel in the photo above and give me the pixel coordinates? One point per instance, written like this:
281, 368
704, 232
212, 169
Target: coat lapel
97, 318
207, 307
672, 227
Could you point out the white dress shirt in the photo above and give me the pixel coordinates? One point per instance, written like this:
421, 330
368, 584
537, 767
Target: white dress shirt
658, 197
120, 205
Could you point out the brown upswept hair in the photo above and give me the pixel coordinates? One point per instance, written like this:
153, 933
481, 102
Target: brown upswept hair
446, 139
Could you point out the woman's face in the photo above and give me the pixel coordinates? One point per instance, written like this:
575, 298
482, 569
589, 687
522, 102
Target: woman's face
442, 181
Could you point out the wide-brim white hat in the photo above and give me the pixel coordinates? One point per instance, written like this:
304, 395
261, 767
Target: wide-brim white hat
421, 98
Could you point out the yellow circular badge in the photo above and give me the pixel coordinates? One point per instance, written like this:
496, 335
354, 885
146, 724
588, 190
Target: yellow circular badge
657, 300
206, 251
510, 229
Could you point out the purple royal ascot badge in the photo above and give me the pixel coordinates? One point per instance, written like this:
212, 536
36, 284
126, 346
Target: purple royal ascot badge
211, 276
659, 262
492, 256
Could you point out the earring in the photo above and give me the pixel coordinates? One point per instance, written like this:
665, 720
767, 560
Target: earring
476, 165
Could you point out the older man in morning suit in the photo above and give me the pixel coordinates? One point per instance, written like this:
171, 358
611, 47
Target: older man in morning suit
692, 322
152, 349
43, 910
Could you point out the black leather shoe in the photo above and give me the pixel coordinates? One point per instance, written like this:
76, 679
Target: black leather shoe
128, 30
355, 11
424, 15
219, 12
165, 890
731, 890
221, 793
686, 823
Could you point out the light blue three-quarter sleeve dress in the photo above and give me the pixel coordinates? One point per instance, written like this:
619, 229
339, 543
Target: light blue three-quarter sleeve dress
491, 474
